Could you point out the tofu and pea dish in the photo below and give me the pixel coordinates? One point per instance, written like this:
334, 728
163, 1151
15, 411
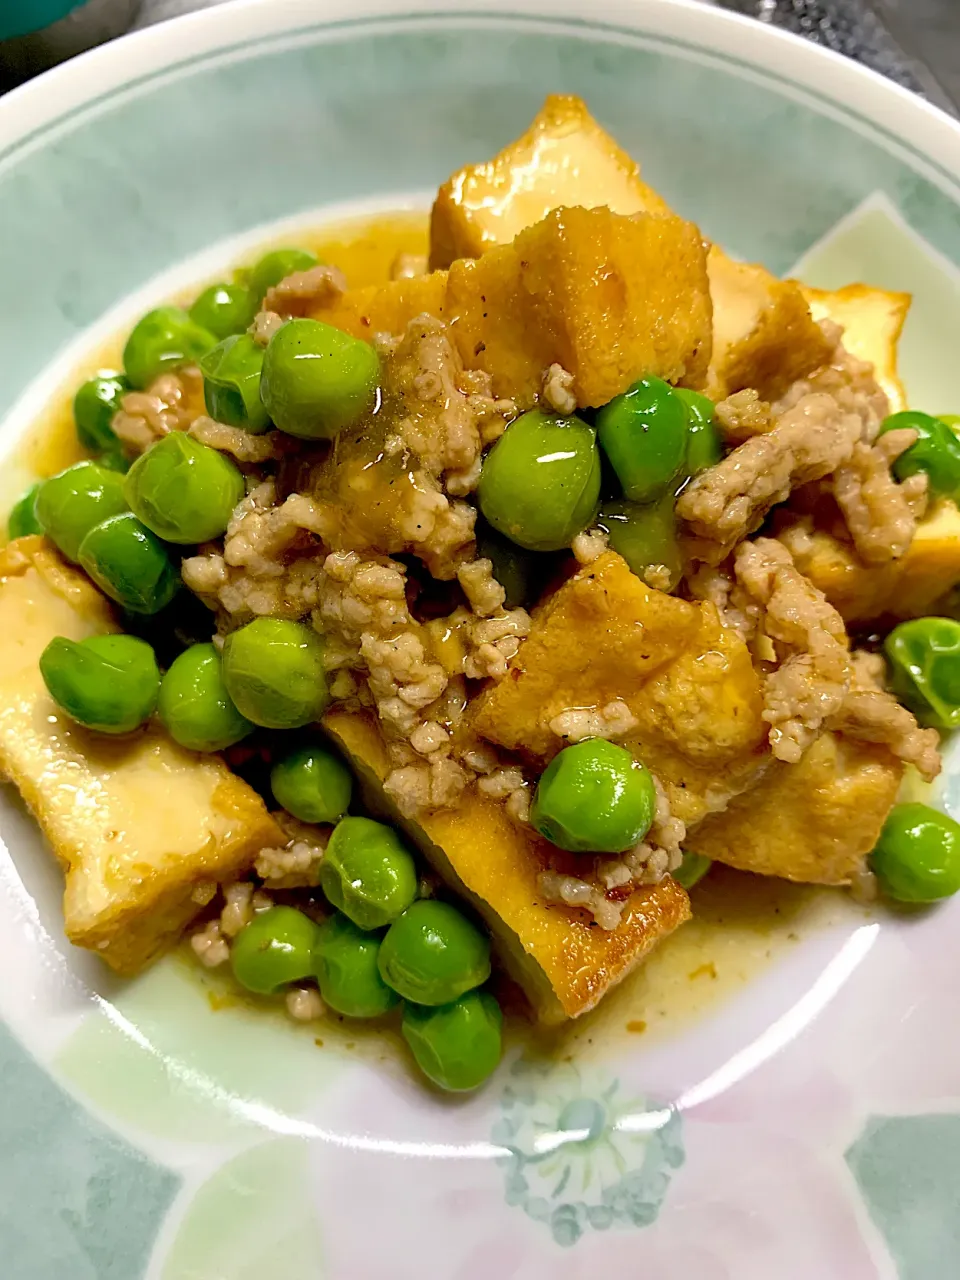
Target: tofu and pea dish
394, 635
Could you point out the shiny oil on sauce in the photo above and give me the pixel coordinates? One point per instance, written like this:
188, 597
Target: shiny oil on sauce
741, 923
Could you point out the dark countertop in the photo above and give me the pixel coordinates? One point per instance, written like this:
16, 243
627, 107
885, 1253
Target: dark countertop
915, 42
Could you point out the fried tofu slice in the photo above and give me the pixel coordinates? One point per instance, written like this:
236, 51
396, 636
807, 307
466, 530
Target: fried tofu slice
814, 821
601, 636
609, 298
564, 962
700, 725
906, 588
564, 158
872, 321
688, 681
144, 830
764, 335
385, 309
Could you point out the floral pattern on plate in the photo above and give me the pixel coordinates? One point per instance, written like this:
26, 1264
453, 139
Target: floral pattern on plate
582, 1156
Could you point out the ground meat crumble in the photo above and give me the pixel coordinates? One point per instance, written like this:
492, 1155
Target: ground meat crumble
742, 416
730, 500
242, 445
880, 513
812, 675
296, 864
824, 428
170, 403
241, 901
296, 294
589, 546
871, 714
614, 720
558, 390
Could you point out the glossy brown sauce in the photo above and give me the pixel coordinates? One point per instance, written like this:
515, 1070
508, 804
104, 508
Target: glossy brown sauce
741, 922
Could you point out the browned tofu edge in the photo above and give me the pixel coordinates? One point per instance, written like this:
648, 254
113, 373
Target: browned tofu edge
565, 963
173, 907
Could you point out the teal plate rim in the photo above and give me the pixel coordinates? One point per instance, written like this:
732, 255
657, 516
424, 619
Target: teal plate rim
499, 12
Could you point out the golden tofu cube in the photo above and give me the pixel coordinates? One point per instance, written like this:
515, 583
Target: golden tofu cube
814, 821
689, 682
144, 830
906, 588
609, 298
763, 333
700, 721
564, 158
386, 308
872, 321
600, 637
564, 963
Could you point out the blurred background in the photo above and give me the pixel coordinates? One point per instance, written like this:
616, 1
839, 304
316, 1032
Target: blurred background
915, 42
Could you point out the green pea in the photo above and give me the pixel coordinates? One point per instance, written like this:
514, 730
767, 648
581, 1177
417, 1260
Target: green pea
164, 339
224, 309
231, 383
274, 672
692, 869
68, 505
924, 656
345, 963
115, 460
936, 452
312, 784
194, 704
22, 519
94, 405
276, 266
275, 948
700, 408
644, 435
516, 570
594, 797
433, 954
917, 858
368, 873
704, 445
646, 537
183, 490
108, 683
316, 379
130, 564
456, 1045
540, 482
